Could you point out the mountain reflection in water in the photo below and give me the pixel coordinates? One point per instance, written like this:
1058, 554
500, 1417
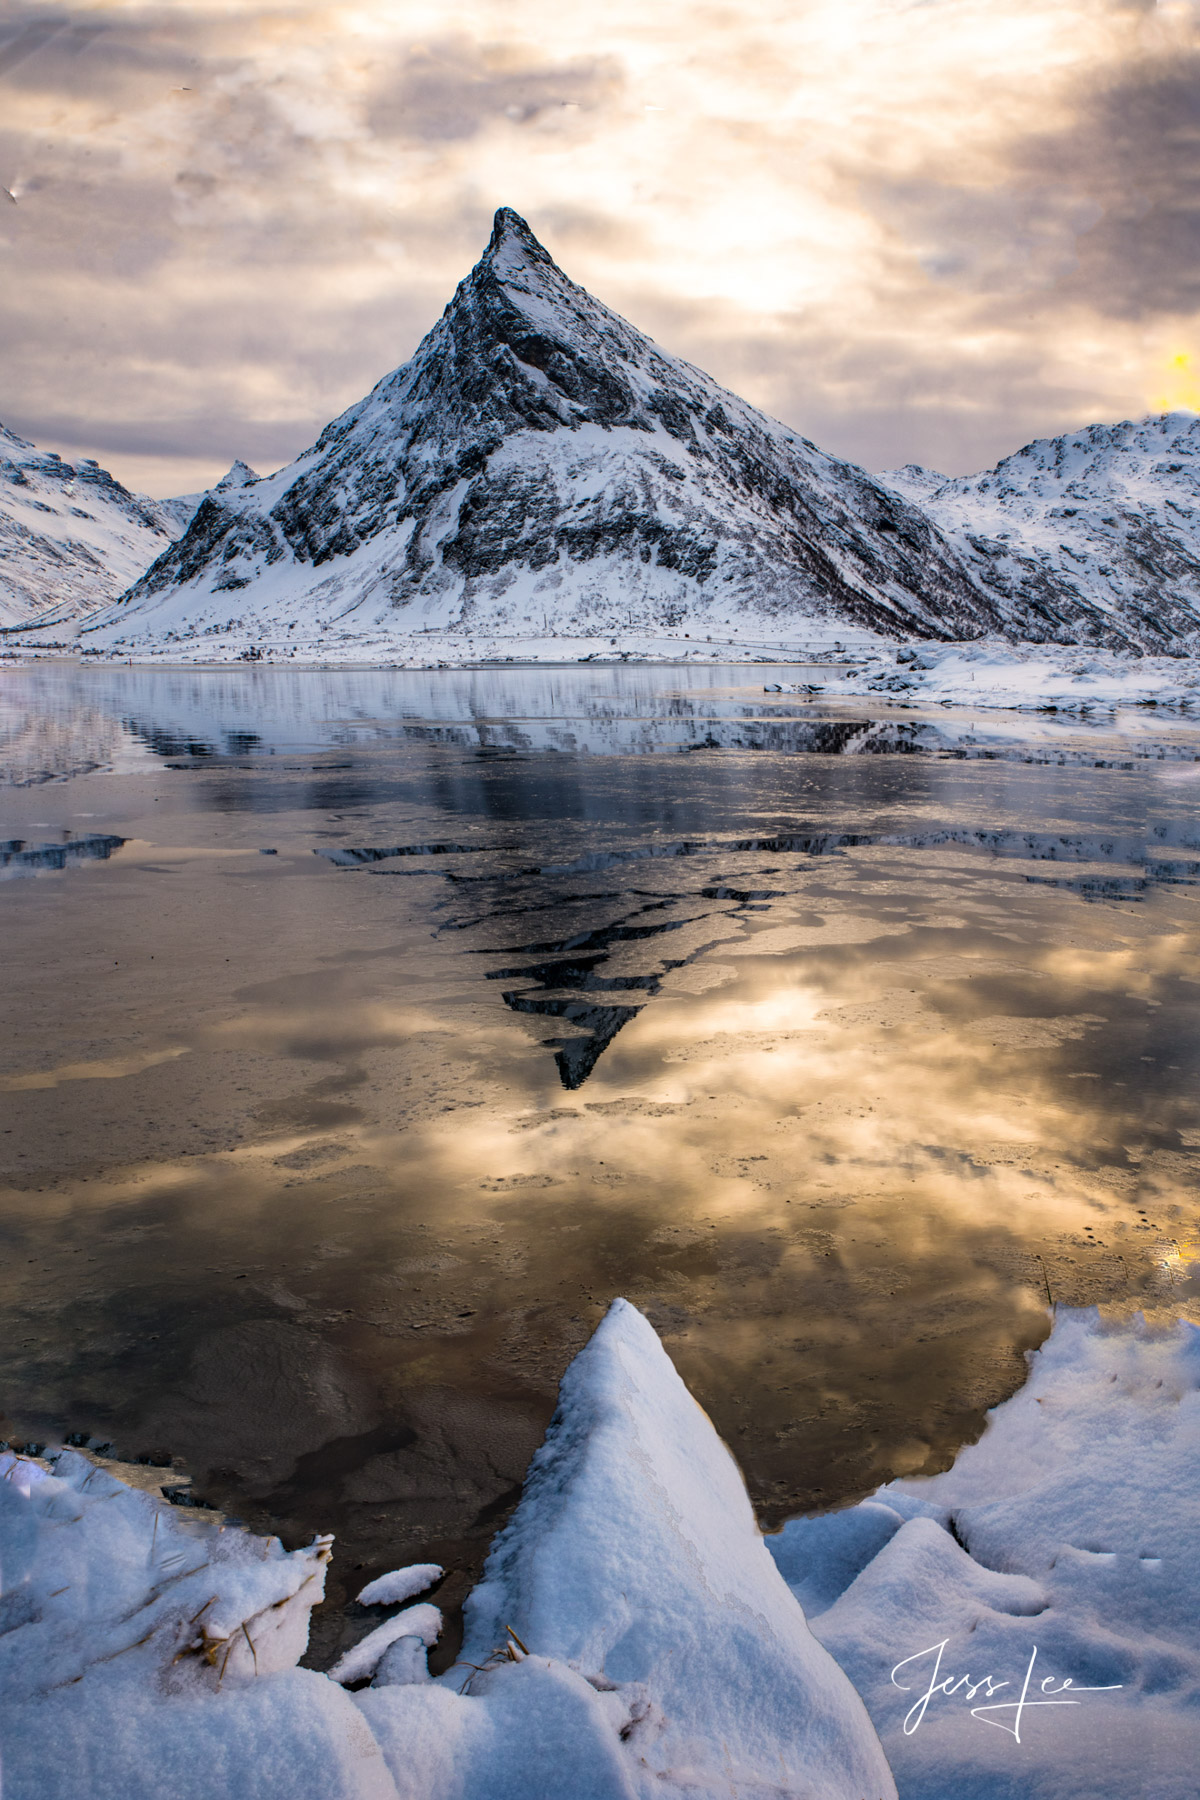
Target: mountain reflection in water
303, 1179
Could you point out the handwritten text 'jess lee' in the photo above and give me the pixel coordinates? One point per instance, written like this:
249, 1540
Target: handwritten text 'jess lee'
1047, 1694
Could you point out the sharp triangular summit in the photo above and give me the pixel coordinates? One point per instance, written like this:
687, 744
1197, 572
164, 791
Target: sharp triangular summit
513, 246
238, 475
541, 467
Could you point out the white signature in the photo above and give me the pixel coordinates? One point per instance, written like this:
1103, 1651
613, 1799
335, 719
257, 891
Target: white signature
966, 1684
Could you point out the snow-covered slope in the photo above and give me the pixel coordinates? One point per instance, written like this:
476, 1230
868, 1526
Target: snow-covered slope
1057, 1561
71, 537
1092, 537
541, 467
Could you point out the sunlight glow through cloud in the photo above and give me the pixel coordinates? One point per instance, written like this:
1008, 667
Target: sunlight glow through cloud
913, 231
1181, 386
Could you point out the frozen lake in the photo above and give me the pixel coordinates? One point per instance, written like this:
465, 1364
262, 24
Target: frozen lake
840, 1041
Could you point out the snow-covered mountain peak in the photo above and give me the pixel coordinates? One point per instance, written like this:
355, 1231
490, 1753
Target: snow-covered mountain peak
513, 251
914, 481
1098, 460
540, 467
240, 475
1096, 531
182, 507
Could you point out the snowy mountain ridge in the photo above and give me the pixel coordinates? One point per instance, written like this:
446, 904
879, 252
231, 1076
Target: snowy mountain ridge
1101, 527
71, 537
540, 467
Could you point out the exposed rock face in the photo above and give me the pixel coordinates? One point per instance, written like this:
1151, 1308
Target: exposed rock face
71, 537
1093, 537
540, 465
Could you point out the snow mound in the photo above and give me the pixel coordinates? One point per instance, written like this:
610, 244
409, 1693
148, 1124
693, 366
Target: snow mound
632, 1637
1071, 1529
1048, 678
416, 1628
1026, 1624
143, 1654
400, 1584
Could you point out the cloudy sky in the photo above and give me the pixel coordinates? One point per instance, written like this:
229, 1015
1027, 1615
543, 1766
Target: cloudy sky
914, 229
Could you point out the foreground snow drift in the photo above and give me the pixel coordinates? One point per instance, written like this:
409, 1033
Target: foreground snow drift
146, 1655
665, 1654
1072, 1529
1026, 1624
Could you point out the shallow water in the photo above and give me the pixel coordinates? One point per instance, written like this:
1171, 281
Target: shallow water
840, 1042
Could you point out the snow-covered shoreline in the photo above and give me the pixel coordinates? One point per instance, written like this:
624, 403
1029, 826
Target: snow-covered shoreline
986, 672
1026, 678
634, 1634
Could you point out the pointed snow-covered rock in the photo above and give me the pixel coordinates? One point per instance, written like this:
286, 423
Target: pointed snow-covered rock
634, 1558
541, 466
183, 506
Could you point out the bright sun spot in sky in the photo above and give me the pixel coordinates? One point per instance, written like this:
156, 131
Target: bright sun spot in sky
1181, 386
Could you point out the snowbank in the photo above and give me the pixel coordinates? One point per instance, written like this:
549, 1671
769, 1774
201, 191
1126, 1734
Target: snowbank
145, 1655
991, 673
635, 1575
1072, 1529
632, 1636
987, 673
1027, 1624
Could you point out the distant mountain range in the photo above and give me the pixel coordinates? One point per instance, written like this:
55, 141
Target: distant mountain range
540, 471
70, 536
1099, 530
